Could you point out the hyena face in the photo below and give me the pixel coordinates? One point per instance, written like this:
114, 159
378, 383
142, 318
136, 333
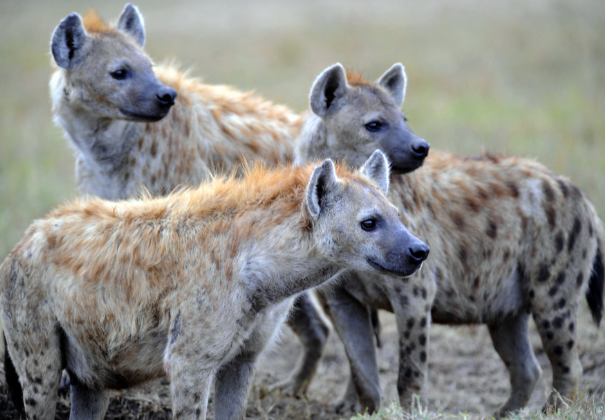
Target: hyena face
108, 71
357, 226
365, 117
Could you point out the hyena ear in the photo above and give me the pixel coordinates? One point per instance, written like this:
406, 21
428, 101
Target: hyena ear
395, 81
67, 39
376, 169
322, 181
131, 23
329, 87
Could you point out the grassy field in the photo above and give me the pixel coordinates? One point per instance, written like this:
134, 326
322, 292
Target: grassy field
518, 77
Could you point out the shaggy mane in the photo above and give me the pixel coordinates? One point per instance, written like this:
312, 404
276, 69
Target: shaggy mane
94, 24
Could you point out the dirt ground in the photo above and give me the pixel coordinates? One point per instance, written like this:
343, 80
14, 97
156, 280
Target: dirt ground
465, 376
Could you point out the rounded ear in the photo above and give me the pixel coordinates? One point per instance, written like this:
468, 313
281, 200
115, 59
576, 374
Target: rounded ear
67, 39
376, 169
395, 81
330, 86
322, 181
131, 23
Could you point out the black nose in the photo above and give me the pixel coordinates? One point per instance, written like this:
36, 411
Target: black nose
421, 149
166, 96
419, 252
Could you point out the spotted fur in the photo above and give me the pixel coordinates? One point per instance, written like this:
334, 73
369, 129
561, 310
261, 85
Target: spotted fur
509, 239
192, 285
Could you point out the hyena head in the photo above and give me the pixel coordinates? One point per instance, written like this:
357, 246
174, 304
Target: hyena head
361, 117
356, 225
106, 70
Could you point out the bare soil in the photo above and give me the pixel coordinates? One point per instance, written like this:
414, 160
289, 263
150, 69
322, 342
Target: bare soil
465, 376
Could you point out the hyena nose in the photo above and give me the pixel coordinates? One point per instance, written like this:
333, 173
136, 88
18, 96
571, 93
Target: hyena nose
166, 96
421, 149
419, 252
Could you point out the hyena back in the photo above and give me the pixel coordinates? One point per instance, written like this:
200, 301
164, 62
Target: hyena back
509, 238
193, 285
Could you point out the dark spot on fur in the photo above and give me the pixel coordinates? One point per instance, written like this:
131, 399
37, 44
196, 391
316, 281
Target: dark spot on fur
545, 324
584, 252
572, 327
423, 292
438, 273
532, 294
476, 283
154, 149
570, 344
462, 254
590, 229
423, 322
561, 278
544, 273
416, 291
198, 412
579, 280
423, 356
406, 334
557, 322
492, 229
559, 242
563, 187
408, 373
561, 303
550, 335
176, 330
506, 256
549, 194
458, 220
30, 401
558, 350
422, 340
575, 231
416, 374
411, 323
472, 298
473, 204
512, 187
553, 291
551, 216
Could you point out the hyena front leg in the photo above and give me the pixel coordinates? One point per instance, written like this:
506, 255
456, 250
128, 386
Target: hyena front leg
353, 324
87, 403
189, 388
234, 377
312, 331
511, 340
412, 300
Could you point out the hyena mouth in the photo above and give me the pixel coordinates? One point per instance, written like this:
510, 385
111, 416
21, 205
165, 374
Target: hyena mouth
397, 273
143, 117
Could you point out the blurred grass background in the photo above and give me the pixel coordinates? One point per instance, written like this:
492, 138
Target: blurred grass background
519, 77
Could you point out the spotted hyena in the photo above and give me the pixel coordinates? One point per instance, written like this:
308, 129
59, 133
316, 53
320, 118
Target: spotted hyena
192, 285
509, 239
114, 110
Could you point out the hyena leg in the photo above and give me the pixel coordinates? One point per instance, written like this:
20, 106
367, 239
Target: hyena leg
352, 322
234, 377
36, 358
412, 302
511, 340
556, 326
190, 388
312, 331
87, 403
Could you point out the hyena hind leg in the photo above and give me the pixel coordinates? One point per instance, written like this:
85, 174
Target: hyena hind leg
510, 337
37, 362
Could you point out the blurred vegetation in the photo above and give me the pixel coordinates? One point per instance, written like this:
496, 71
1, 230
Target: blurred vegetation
518, 77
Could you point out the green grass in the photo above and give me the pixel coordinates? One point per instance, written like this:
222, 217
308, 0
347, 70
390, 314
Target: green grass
584, 408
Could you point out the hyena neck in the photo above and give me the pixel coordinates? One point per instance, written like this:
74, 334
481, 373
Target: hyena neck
311, 143
410, 191
275, 275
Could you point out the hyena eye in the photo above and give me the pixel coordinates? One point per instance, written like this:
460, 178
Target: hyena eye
118, 74
373, 126
369, 224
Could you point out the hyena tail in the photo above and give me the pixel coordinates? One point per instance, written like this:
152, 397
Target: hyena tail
15, 392
594, 294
